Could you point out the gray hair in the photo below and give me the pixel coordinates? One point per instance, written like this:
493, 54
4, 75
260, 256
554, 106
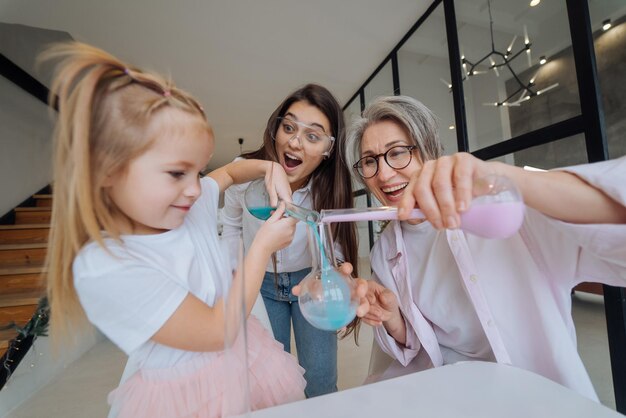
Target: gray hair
410, 114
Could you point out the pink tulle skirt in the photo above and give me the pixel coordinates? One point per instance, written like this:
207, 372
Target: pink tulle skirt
215, 387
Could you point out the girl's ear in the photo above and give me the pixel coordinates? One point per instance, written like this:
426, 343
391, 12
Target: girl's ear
108, 181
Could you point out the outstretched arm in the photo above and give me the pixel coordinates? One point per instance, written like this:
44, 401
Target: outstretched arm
565, 196
242, 171
443, 189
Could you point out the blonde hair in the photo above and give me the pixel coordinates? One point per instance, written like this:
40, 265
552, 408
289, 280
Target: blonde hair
105, 108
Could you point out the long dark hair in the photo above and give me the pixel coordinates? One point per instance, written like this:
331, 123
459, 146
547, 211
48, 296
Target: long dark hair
331, 183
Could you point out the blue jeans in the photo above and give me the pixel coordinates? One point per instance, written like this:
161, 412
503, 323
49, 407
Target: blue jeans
317, 349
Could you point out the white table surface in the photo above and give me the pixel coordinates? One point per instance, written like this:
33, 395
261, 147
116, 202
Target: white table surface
469, 389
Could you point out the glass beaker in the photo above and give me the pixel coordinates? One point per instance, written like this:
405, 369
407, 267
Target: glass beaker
327, 298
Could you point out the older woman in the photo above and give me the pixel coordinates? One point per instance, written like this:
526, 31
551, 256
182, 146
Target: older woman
439, 295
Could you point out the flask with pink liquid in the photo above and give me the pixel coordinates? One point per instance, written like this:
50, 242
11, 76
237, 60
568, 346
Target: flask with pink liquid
496, 211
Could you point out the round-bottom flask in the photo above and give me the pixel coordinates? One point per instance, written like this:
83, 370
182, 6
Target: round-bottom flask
497, 209
327, 298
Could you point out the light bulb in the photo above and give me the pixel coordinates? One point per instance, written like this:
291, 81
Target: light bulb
533, 3
542, 60
606, 24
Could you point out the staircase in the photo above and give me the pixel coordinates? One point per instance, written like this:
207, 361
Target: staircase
23, 246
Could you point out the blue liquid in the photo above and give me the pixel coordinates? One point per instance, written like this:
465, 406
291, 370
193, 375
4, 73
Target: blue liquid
329, 316
262, 212
332, 309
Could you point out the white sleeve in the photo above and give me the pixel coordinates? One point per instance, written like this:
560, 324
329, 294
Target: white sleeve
607, 176
209, 198
232, 212
232, 221
603, 256
125, 299
589, 252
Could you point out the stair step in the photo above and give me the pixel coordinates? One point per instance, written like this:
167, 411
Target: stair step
23, 254
18, 302
25, 233
12, 284
6, 335
23, 226
20, 315
8, 271
33, 215
25, 246
43, 200
31, 209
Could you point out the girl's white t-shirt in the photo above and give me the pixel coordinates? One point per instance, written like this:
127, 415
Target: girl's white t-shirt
131, 290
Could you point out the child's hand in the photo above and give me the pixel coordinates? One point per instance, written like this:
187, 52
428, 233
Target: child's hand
277, 232
277, 184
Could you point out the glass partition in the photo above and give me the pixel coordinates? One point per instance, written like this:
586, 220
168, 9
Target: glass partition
424, 70
518, 68
562, 153
352, 111
380, 85
608, 20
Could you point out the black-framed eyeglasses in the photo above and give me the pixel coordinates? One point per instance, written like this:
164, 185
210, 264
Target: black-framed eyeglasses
396, 157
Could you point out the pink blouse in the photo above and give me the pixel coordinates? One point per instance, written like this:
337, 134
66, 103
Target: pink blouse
520, 288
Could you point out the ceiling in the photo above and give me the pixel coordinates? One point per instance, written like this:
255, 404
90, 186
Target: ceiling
240, 58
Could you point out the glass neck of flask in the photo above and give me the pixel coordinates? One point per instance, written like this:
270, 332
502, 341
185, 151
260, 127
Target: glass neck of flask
302, 214
321, 246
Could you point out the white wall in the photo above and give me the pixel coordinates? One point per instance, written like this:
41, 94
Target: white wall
25, 145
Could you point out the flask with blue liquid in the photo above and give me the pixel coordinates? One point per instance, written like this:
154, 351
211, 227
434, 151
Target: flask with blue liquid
327, 298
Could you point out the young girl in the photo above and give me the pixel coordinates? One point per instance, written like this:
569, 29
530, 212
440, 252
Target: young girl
134, 245
440, 295
305, 135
